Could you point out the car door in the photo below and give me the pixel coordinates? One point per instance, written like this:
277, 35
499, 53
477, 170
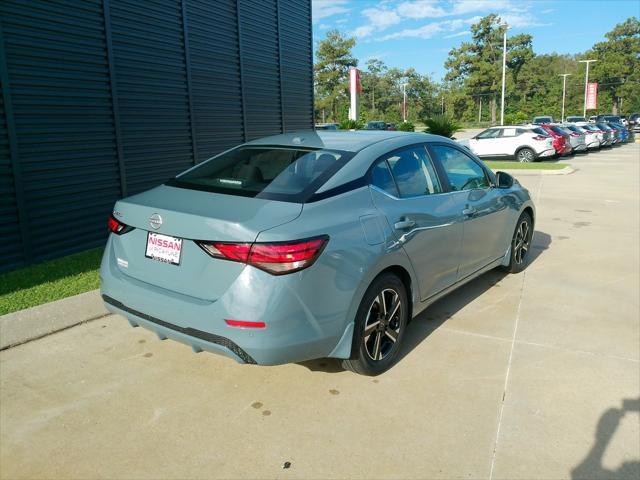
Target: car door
426, 221
486, 216
486, 143
508, 140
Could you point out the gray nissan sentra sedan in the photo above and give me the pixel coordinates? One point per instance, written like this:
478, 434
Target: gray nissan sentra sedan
312, 244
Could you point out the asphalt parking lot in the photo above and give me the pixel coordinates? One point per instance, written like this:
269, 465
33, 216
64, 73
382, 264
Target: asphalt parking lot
525, 376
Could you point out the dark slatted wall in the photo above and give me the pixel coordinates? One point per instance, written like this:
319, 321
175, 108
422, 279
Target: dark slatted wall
111, 97
297, 74
11, 244
215, 75
260, 67
55, 56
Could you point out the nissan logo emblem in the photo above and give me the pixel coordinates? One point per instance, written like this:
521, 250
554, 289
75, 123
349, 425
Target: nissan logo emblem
155, 221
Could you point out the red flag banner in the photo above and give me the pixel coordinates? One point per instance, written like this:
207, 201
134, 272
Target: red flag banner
592, 94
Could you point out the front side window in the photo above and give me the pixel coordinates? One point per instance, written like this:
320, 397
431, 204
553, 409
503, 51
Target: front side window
413, 172
276, 173
490, 133
462, 171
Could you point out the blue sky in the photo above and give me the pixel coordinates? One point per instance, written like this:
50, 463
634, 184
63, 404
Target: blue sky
420, 33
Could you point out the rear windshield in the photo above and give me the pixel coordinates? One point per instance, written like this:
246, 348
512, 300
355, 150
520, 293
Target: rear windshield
274, 173
539, 131
575, 119
612, 118
558, 130
542, 120
573, 129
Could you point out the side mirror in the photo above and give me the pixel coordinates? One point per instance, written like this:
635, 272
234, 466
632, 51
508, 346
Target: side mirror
504, 180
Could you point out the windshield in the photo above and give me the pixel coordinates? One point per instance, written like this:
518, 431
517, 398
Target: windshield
275, 173
540, 131
612, 118
575, 119
542, 120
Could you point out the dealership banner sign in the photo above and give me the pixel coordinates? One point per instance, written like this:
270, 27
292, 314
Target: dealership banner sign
592, 94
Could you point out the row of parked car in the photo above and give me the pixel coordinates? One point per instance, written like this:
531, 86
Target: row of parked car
545, 139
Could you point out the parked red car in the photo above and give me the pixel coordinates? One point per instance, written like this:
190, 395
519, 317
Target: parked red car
560, 142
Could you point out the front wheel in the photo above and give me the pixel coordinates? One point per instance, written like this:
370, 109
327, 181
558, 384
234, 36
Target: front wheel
520, 244
380, 324
525, 155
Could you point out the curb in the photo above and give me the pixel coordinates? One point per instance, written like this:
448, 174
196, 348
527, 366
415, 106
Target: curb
36, 322
518, 172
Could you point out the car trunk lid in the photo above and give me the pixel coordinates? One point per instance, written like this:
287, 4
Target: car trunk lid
175, 218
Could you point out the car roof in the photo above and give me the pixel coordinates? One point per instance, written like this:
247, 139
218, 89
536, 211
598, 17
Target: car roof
346, 140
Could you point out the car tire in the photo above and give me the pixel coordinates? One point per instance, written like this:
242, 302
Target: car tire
525, 155
520, 244
374, 349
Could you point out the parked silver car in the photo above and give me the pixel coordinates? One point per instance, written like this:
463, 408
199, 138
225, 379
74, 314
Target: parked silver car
312, 244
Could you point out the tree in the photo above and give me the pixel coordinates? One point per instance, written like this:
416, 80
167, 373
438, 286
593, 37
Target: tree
617, 69
478, 64
331, 70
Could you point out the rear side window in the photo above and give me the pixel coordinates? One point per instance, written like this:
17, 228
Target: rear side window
413, 172
462, 171
276, 173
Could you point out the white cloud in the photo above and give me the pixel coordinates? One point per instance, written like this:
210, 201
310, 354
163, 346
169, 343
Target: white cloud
328, 8
462, 7
431, 29
381, 17
548, 10
459, 34
363, 31
324, 26
517, 20
421, 9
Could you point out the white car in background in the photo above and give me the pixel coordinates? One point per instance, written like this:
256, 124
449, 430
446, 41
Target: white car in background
576, 137
524, 143
593, 137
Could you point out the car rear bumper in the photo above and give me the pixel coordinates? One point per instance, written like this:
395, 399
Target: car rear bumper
547, 153
299, 323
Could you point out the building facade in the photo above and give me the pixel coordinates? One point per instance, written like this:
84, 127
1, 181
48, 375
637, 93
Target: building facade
105, 98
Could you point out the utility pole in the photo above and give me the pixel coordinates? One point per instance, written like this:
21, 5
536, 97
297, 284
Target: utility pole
564, 89
586, 84
504, 70
480, 111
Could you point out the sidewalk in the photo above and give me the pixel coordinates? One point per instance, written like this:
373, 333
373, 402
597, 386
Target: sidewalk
32, 323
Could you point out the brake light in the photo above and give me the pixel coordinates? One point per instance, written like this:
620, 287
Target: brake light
541, 137
116, 226
275, 258
244, 323
575, 134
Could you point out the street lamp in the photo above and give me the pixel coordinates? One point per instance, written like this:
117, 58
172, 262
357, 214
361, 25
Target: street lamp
504, 70
404, 102
564, 89
586, 83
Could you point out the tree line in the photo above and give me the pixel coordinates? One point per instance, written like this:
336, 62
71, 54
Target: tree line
471, 89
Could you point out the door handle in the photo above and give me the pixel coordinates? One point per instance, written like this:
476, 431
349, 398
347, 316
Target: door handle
469, 211
404, 224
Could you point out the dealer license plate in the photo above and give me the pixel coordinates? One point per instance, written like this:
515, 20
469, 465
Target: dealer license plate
163, 248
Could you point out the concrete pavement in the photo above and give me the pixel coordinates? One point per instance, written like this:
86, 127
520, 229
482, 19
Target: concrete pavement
520, 376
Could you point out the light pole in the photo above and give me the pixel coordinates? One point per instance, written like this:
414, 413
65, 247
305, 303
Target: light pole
504, 70
404, 102
586, 84
564, 89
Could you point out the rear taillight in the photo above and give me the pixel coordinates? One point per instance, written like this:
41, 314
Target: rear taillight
541, 137
116, 226
276, 258
575, 134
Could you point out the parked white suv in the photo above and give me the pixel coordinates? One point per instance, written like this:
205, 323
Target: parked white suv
523, 143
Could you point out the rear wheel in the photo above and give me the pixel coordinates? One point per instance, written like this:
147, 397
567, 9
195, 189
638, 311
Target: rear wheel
380, 324
526, 155
520, 244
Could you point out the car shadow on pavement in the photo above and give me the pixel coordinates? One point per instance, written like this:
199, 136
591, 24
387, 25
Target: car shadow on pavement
436, 314
591, 467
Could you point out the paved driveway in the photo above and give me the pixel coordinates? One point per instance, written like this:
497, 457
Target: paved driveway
517, 377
